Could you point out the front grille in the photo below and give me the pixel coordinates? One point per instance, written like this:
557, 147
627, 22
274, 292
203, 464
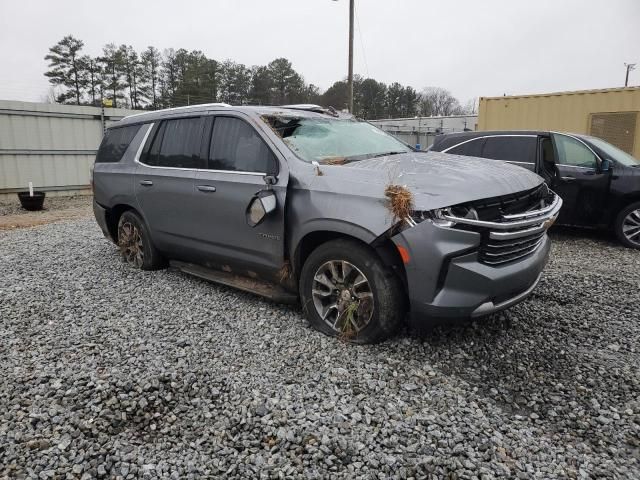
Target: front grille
496, 251
511, 228
492, 209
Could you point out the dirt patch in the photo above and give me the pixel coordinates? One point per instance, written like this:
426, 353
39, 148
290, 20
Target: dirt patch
56, 209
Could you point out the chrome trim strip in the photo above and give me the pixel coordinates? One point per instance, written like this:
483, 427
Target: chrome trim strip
509, 260
531, 248
144, 141
541, 215
517, 234
489, 307
531, 238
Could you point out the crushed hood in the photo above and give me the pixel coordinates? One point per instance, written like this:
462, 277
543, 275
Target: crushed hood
436, 179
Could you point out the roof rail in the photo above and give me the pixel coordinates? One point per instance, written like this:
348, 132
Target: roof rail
310, 107
185, 107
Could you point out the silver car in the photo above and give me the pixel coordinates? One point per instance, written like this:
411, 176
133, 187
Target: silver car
304, 204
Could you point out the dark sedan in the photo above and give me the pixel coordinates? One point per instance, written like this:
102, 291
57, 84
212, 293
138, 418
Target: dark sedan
599, 183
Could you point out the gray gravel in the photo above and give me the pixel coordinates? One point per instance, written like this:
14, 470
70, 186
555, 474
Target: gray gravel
110, 372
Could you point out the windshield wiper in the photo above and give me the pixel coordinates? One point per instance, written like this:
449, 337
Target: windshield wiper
386, 154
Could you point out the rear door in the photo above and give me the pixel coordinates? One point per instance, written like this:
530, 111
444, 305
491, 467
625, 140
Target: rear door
165, 181
580, 184
239, 158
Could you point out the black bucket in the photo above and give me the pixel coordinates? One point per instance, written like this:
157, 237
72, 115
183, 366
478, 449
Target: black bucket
31, 203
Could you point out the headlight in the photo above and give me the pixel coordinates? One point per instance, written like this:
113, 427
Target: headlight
435, 216
438, 215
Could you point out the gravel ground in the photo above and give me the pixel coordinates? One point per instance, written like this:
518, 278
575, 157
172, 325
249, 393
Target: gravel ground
112, 372
12, 206
13, 216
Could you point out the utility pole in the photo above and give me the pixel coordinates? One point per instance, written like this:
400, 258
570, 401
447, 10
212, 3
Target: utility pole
630, 66
350, 78
350, 74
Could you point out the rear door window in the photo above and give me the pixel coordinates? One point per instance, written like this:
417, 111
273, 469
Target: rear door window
115, 142
236, 146
472, 148
513, 149
176, 144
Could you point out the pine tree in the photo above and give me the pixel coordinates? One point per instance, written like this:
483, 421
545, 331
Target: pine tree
130, 70
112, 65
65, 68
151, 61
287, 84
261, 86
91, 78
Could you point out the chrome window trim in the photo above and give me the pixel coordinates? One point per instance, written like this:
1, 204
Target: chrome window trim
490, 136
144, 141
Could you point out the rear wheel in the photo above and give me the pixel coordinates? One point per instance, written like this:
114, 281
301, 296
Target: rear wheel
135, 243
347, 292
627, 226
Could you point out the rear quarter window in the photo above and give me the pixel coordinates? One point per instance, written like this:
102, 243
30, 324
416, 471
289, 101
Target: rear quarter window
471, 148
115, 142
516, 149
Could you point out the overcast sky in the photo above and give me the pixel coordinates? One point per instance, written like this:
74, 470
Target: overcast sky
473, 48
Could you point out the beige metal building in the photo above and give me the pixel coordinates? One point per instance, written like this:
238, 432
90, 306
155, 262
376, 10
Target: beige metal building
611, 114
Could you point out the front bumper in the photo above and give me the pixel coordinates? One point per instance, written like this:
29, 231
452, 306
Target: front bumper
462, 273
472, 289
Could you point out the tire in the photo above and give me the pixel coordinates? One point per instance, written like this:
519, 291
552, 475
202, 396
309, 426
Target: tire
364, 312
627, 226
134, 242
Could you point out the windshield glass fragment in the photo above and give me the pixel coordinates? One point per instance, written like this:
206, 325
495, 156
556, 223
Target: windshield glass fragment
334, 142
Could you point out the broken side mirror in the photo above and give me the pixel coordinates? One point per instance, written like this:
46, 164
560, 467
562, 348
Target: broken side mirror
261, 205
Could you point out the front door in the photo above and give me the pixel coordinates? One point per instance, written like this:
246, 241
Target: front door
579, 182
239, 159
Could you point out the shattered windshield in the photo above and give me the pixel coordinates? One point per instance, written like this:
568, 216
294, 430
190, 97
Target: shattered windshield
334, 141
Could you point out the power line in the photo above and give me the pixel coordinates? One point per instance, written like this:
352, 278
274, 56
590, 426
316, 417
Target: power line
364, 56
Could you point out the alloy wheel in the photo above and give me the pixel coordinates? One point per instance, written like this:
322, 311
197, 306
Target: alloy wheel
130, 243
342, 297
631, 227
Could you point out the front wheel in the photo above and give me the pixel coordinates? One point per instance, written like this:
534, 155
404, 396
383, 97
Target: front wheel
347, 292
627, 226
135, 243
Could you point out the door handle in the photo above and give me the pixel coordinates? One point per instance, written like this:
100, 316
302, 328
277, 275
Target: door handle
146, 183
568, 179
206, 188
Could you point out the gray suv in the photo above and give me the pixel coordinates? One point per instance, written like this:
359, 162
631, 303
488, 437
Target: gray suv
304, 204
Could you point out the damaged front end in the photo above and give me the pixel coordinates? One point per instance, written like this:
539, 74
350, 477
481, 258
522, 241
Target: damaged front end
510, 227
489, 253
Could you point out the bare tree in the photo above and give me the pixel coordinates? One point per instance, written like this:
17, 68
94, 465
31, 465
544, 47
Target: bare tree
51, 96
471, 107
437, 101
